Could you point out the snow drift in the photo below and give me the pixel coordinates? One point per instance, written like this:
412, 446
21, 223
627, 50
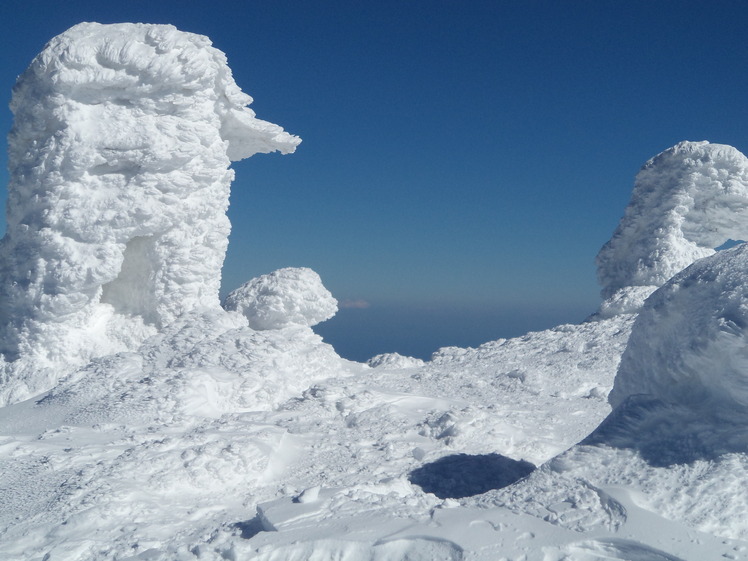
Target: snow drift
689, 344
687, 201
677, 440
681, 392
119, 183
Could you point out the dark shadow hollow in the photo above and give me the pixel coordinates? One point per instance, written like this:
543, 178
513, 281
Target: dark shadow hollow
249, 528
462, 475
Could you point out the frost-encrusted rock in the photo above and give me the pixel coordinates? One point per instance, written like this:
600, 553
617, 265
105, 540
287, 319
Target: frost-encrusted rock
290, 296
689, 345
119, 182
687, 201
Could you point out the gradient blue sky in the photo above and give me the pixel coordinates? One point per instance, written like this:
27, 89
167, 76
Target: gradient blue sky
462, 162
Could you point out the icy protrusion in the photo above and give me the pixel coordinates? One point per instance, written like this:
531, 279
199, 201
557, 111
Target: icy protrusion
689, 345
119, 183
290, 296
686, 202
394, 360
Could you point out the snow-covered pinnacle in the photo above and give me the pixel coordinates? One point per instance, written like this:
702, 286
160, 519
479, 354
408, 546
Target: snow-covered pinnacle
687, 201
119, 183
291, 296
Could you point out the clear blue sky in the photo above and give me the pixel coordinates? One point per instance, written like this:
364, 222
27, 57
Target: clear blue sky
462, 162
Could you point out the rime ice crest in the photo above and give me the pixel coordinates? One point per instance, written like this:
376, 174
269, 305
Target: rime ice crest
687, 201
119, 183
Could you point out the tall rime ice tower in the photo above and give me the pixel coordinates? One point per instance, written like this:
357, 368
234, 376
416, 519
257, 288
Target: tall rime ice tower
687, 201
119, 183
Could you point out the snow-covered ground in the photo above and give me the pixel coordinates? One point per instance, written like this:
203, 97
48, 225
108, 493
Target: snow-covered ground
145, 423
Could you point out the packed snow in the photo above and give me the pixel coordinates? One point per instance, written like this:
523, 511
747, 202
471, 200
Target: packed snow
142, 421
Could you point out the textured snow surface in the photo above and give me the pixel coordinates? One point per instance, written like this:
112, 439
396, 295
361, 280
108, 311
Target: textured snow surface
687, 201
161, 427
682, 389
169, 450
119, 182
291, 296
690, 343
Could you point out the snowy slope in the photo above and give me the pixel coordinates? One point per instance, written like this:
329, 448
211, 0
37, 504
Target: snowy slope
211, 434
185, 437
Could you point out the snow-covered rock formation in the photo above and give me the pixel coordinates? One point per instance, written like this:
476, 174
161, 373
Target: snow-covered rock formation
290, 296
687, 201
119, 182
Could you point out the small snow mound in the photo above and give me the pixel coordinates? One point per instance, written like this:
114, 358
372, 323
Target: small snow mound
689, 343
394, 360
290, 296
686, 202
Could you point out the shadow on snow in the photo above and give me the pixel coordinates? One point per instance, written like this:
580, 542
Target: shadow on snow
463, 475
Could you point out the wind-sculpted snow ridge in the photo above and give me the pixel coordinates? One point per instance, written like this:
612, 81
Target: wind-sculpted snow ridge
687, 201
688, 356
119, 183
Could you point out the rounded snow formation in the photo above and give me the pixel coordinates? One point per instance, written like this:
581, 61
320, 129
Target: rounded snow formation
687, 201
689, 345
119, 183
283, 298
394, 360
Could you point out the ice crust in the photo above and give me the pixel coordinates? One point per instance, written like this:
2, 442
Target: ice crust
687, 201
119, 183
